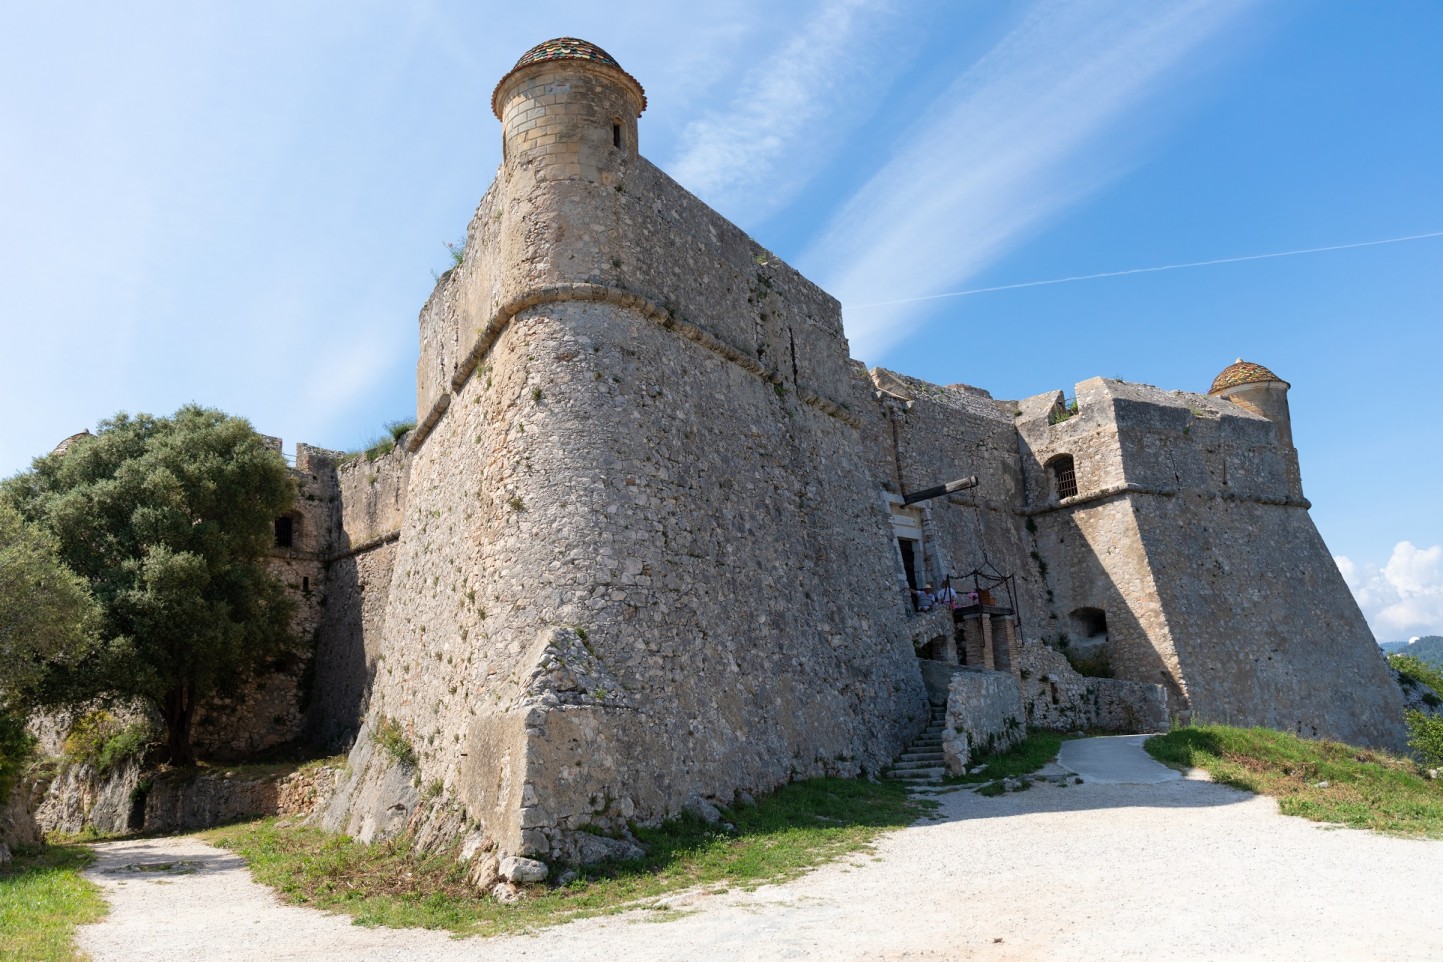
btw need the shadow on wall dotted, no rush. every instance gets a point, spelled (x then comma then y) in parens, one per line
(344, 673)
(1101, 616)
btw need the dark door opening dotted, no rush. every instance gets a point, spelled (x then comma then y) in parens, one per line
(908, 548)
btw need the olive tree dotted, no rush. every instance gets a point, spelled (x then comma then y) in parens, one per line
(167, 520)
(47, 618)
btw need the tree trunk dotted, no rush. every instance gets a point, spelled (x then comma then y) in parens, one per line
(179, 706)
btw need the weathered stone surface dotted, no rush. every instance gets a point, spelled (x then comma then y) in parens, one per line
(79, 798)
(18, 825)
(514, 868)
(131, 799)
(1056, 697)
(984, 715)
(585, 847)
(1417, 696)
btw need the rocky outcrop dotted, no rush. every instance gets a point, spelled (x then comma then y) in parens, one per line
(128, 799)
(80, 798)
(18, 827)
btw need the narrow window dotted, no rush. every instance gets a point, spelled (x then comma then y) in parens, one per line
(306, 585)
(616, 135)
(285, 532)
(1064, 476)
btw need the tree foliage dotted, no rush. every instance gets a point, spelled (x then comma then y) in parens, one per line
(47, 617)
(168, 521)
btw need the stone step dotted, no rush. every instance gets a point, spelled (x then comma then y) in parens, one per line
(920, 757)
(917, 774)
(912, 766)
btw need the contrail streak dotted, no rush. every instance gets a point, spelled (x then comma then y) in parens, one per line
(1146, 270)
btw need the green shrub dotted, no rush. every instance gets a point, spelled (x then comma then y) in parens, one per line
(104, 742)
(16, 748)
(1425, 735)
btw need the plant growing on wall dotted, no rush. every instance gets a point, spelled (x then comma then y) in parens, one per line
(168, 521)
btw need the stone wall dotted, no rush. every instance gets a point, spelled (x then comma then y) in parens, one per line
(660, 431)
(371, 497)
(984, 715)
(129, 799)
(1189, 534)
(1056, 697)
(187, 803)
(939, 434)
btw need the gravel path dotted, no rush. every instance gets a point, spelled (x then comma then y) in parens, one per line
(1180, 869)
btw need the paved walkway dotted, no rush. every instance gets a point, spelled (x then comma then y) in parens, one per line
(1176, 869)
(1115, 760)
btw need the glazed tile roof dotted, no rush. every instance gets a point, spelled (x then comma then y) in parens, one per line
(1242, 372)
(565, 48)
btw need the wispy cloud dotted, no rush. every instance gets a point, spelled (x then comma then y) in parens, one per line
(1403, 598)
(749, 158)
(1002, 151)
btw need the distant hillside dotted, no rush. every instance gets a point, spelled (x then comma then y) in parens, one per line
(1429, 648)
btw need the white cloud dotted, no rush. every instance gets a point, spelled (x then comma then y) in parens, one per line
(750, 158)
(1403, 598)
(1003, 150)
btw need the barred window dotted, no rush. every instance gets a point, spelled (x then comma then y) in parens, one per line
(1064, 476)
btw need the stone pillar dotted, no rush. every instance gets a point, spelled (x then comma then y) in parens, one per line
(974, 642)
(1007, 654)
(989, 653)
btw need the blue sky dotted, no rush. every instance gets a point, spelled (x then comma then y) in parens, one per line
(243, 205)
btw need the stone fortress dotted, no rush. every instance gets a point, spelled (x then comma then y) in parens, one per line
(652, 541)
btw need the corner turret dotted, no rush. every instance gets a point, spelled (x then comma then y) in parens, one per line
(568, 111)
(1255, 388)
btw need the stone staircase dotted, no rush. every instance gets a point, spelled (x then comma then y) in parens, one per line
(921, 762)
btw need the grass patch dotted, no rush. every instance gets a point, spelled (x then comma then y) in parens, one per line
(1034, 751)
(391, 737)
(785, 834)
(42, 900)
(1321, 781)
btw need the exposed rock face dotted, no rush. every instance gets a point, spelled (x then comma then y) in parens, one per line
(129, 799)
(79, 798)
(1417, 696)
(18, 826)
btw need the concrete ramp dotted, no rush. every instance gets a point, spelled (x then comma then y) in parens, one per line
(1114, 760)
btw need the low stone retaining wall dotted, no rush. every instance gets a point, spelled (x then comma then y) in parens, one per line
(129, 800)
(1056, 697)
(984, 715)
